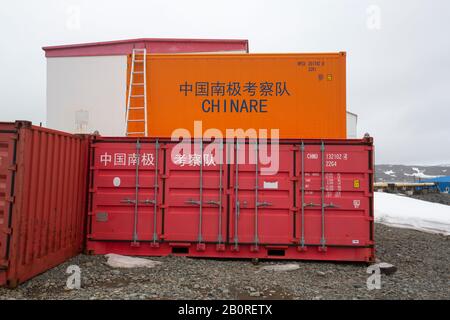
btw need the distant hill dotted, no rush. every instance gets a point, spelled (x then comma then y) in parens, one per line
(406, 173)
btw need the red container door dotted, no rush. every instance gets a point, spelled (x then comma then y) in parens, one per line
(126, 191)
(261, 203)
(340, 215)
(195, 206)
(7, 165)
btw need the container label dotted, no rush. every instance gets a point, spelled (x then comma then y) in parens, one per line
(127, 159)
(270, 185)
(246, 96)
(356, 183)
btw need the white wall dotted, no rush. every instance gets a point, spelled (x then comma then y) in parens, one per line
(352, 122)
(85, 94)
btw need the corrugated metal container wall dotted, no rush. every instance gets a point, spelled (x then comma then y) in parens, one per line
(302, 95)
(42, 199)
(149, 198)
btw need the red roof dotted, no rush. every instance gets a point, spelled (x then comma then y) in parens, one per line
(123, 47)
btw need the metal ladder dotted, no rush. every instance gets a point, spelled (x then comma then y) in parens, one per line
(138, 57)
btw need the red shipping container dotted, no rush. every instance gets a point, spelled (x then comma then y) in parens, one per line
(42, 199)
(147, 200)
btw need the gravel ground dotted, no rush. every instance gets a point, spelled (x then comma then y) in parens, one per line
(442, 198)
(423, 262)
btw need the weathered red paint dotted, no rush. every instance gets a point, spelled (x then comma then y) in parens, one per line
(337, 224)
(42, 199)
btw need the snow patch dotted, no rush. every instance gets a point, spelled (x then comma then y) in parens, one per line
(420, 174)
(390, 173)
(281, 267)
(119, 261)
(403, 212)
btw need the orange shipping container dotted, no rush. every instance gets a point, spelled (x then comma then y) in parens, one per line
(302, 95)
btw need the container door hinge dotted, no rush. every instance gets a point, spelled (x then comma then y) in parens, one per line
(4, 264)
(13, 167)
(11, 199)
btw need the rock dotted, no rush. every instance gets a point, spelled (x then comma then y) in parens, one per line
(387, 268)
(225, 290)
(320, 273)
(255, 294)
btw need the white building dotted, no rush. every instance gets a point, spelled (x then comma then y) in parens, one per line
(352, 125)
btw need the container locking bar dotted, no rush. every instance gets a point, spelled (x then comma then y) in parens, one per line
(302, 237)
(200, 222)
(322, 150)
(155, 211)
(136, 200)
(219, 203)
(236, 195)
(257, 204)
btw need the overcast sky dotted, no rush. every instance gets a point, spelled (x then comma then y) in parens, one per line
(398, 54)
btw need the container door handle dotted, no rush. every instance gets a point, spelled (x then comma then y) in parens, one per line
(148, 201)
(263, 204)
(197, 202)
(192, 201)
(330, 205)
(216, 203)
(311, 204)
(128, 200)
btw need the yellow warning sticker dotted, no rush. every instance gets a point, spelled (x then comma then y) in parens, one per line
(356, 183)
(329, 77)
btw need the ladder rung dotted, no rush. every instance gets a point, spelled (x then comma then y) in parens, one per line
(138, 72)
(137, 120)
(137, 84)
(137, 108)
(137, 95)
(139, 60)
